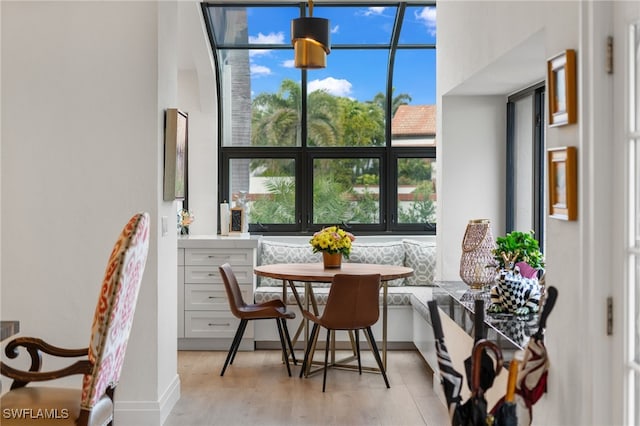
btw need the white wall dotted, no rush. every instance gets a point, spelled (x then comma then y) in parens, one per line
(197, 96)
(471, 176)
(473, 36)
(84, 87)
(203, 156)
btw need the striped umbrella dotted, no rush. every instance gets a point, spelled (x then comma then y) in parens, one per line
(450, 379)
(534, 368)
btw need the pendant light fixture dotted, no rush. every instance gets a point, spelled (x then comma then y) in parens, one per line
(310, 39)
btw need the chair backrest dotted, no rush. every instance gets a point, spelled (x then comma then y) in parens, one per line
(353, 302)
(113, 316)
(236, 302)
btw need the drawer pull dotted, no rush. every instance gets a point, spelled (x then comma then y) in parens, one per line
(211, 274)
(219, 325)
(214, 297)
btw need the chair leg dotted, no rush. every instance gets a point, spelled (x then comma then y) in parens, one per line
(234, 345)
(286, 334)
(239, 340)
(284, 346)
(358, 350)
(376, 354)
(307, 352)
(326, 359)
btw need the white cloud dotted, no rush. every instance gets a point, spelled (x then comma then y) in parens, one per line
(257, 70)
(253, 53)
(332, 86)
(289, 63)
(271, 38)
(428, 18)
(374, 11)
(335, 29)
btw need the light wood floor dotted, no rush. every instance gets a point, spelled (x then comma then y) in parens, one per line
(256, 390)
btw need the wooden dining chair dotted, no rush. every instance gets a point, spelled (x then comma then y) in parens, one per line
(273, 309)
(352, 304)
(102, 361)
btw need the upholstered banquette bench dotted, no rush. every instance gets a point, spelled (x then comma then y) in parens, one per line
(418, 254)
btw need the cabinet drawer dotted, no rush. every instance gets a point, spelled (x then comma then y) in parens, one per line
(213, 324)
(198, 297)
(211, 275)
(217, 257)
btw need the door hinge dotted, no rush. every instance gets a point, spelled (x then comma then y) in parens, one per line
(609, 316)
(610, 55)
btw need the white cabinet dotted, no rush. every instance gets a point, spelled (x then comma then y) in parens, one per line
(205, 320)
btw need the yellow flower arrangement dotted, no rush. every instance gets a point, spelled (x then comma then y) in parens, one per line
(332, 240)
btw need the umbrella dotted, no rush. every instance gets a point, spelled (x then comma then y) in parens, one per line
(505, 413)
(474, 411)
(534, 368)
(487, 371)
(450, 379)
(532, 379)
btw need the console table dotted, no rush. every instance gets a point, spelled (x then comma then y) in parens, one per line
(456, 303)
(511, 333)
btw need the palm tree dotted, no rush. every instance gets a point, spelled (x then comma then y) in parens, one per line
(401, 99)
(276, 116)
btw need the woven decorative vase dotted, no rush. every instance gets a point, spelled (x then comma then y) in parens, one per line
(332, 261)
(477, 245)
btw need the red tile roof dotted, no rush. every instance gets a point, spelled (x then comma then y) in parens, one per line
(414, 120)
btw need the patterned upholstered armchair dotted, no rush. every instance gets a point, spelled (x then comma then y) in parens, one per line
(103, 359)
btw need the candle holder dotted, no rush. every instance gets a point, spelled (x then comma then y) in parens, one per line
(477, 264)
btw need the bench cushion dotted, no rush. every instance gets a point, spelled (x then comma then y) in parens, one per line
(396, 296)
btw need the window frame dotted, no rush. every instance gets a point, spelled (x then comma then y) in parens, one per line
(304, 155)
(537, 92)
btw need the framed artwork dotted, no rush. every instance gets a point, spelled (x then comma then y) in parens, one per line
(563, 183)
(236, 220)
(175, 154)
(561, 80)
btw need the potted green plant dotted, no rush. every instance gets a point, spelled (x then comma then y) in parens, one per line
(517, 247)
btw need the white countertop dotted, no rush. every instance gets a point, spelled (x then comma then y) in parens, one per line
(215, 241)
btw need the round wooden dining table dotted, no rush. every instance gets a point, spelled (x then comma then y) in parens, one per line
(310, 273)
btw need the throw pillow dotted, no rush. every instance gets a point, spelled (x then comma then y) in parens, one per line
(421, 257)
(277, 252)
(391, 253)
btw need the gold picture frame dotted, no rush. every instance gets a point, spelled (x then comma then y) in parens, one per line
(561, 80)
(175, 154)
(563, 183)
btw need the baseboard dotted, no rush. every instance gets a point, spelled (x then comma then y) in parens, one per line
(148, 413)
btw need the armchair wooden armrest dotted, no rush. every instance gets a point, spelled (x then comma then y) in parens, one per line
(35, 347)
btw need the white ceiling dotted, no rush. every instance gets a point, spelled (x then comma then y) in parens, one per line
(521, 67)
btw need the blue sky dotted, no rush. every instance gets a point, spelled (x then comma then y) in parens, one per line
(356, 74)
